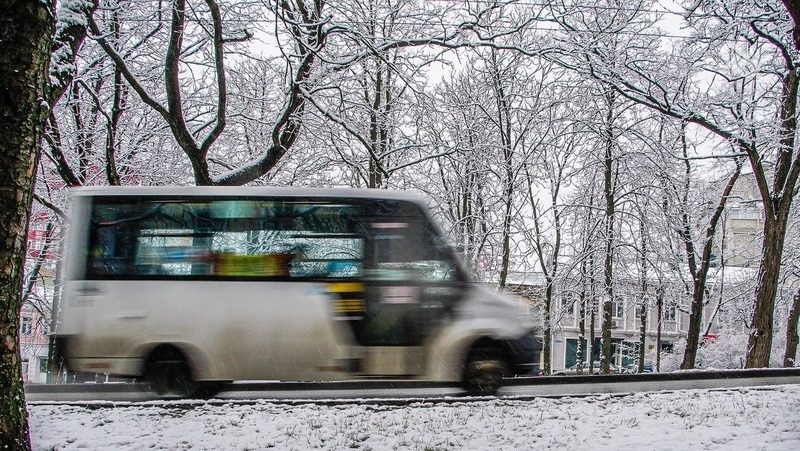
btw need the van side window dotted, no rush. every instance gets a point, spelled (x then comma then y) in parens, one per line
(224, 239)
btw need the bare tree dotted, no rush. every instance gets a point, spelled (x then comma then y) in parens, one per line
(304, 24)
(556, 143)
(310, 45)
(763, 31)
(609, 195)
(460, 182)
(23, 108)
(587, 224)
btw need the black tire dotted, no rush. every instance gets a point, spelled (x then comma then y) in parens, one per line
(207, 390)
(169, 375)
(484, 370)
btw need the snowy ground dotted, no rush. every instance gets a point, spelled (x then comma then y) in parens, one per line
(751, 418)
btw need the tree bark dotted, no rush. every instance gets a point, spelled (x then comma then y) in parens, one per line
(793, 7)
(791, 333)
(776, 216)
(26, 31)
(608, 191)
(659, 315)
(759, 344)
(580, 353)
(643, 301)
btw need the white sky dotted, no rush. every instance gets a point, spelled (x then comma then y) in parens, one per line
(752, 418)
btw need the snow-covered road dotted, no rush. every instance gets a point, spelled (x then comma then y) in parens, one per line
(747, 418)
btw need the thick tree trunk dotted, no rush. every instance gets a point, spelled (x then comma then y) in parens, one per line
(791, 333)
(759, 344)
(695, 320)
(642, 333)
(506, 239)
(777, 205)
(25, 40)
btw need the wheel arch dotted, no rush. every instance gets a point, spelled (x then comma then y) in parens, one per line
(450, 351)
(193, 356)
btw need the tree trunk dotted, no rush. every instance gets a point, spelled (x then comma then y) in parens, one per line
(25, 41)
(592, 313)
(699, 270)
(759, 344)
(695, 321)
(643, 301)
(548, 329)
(608, 191)
(376, 124)
(580, 353)
(506, 141)
(777, 206)
(659, 314)
(791, 333)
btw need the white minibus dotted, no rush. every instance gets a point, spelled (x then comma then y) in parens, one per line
(190, 287)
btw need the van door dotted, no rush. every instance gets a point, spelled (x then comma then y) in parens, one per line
(411, 285)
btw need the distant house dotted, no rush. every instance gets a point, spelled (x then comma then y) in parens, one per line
(625, 322)
(743, 223)
(34, 343)
(38, 291)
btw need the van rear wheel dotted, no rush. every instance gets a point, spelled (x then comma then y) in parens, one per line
(170, 376)
(484, 370)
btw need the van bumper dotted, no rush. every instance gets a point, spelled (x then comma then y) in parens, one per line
(524, 354)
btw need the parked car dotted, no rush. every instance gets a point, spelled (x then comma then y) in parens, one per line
(574, 370)
(634, 368)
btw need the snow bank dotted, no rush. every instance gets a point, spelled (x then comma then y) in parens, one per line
(753, 418)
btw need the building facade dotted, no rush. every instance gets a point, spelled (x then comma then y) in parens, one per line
(34, 344)
(625, 326)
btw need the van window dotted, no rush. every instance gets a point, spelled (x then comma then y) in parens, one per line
(407, 251)
(404, 246)
(224, 239)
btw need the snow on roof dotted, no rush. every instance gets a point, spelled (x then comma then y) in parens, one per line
(533, 279)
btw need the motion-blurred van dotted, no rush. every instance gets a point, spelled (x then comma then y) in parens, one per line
(191, 287)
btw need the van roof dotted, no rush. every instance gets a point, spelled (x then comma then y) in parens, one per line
(246, 191)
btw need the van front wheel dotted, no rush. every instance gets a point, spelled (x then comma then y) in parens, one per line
(484, 370)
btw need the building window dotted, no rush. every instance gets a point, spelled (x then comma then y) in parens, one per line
(639, 310)
(25, 326)
(567, 305)
(617, 308)
(44, 365)
(670, 313)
